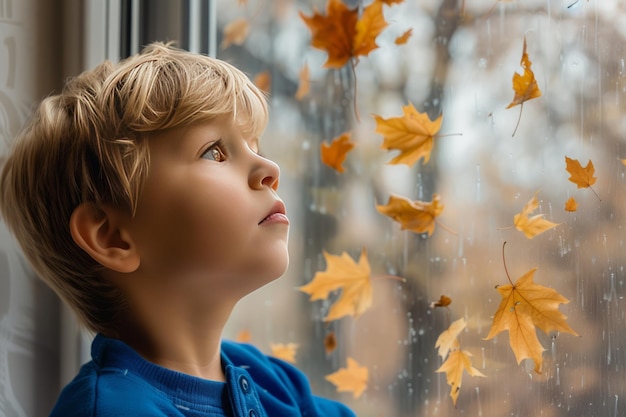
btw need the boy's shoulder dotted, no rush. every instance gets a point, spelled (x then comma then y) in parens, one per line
(105, 393)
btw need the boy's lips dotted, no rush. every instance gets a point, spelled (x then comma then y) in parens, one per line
(276, 215)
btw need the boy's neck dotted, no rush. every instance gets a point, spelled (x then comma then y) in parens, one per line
(190, 346)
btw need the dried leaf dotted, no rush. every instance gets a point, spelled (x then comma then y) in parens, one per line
(334, 154)
(416, 216)
(458, 361)
(444, 301)
(392, 2)
(235, 32)
(330, 343)
(244, 336)
(342, 34)
(352, 379)
(353, 279)
(304, 85)
(263, 80)
(368, 27)
(412, 134)
(532, 226)
(571, 204)
(582, 177)
(524, 85)
(447, 340)
(524, 306)
(286, 352)
(404, 38)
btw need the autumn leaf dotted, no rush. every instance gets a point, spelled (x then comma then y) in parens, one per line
(623, 161)
(412, 134)
(571, 204)
(244, 336)
(330, 343)
(581, 176)
(535, 225)
(334, 154)
(235, 32)
(416, 216)
(392, 2)
(404, 38)
(444, 301)
(286, 352)
(525, 306)
(447, 340)
(524, 85)
(457, 362)
(304, 85)
(353, 279)
(263, 81)
(352, 379)
(342, 34)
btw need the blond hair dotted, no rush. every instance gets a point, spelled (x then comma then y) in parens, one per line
(90, 144)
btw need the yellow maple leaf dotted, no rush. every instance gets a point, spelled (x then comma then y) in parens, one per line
(244, 336)
(524, 85)
(334, 154)
(579, 175)
(353, 279)
(304, 85)
(412, 134)
(447, 340)
(457, 362)
(284, 351)
(416, 216)
(535, 225)
(525, 306)
(352, 379)
(235, 32)
(571, 204)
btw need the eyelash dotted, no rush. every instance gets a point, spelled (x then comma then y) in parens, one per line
(219, 147)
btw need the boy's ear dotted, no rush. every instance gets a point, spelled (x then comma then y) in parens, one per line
(100, 232)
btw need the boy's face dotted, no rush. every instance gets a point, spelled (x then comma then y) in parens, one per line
(209, 221)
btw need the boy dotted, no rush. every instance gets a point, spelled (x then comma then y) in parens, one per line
(139, 195)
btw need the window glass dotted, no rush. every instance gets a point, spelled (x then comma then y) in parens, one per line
(487, 162)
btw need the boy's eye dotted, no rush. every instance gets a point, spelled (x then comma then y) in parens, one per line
(215, 153)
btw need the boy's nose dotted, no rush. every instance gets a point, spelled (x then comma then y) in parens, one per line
(265, 174)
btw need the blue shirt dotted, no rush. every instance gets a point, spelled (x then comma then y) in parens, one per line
(119, 382)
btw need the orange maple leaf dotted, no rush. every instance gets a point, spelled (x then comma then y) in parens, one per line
(304, 85)
(571, 204)
(524, 85)
(235, 32)
(392, 2)
(244, 336)
(353, 279)
(525, 306)
(581, 176)
(284, 351)
(352, 379)
(342, 34)
(416, 216)
(334, 154)
(458, 361)
(412, 134)
(535, 225)
(404, 38)
(263, 80)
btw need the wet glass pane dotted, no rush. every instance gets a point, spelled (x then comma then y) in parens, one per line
(486, 164)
